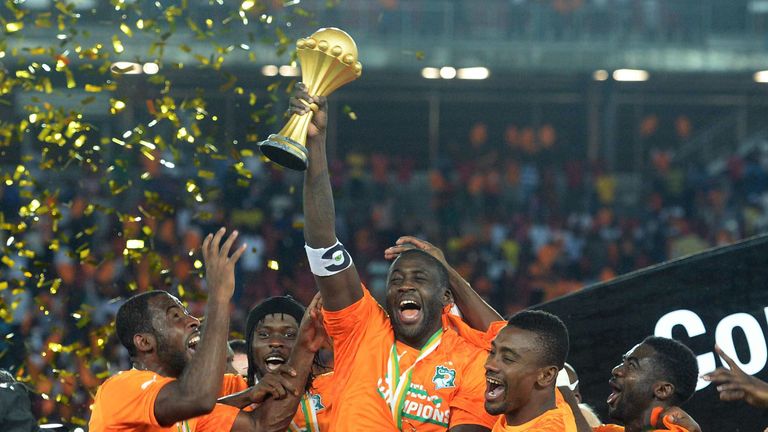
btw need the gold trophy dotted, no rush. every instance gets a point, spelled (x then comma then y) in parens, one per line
(328, 60)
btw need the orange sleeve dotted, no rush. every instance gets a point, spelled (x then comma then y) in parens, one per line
(349, 326)
(130, 399)
(476, 337)
(232, 384)
(567, 412)
(219, 420)
(468, 405)
(608, 428)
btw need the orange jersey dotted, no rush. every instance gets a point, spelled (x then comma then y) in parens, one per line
(232, 384)
(126, 402)
(559, 419)
(476, 337)
(314, 412)
(446, 388)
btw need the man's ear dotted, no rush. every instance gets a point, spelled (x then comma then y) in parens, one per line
(663, 390)
(144, 342)
(447, 296)
(547, 376)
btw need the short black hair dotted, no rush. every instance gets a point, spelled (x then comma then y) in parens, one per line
(677, 364)
(133, 318)
(550, 330)
(238, 346)
(443, 278)
(272, 305)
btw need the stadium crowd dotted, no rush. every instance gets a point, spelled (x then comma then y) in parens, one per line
(519, 224)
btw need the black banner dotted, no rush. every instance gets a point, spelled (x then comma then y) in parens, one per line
(720, 295)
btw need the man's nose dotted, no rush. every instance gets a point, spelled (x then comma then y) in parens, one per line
(617, 370)
(490, 364)
(193, 322)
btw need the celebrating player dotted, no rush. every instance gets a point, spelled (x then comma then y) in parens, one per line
(177, 372)
(396, 370)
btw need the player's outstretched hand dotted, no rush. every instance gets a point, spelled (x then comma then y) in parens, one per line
(735, 384)
(219, 266)
(312, 333)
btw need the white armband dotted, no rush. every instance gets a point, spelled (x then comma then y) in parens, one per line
(328, 261)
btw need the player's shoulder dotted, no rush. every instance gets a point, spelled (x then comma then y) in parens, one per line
(324, 379)
(132, 378)
(608, 428)
(234, 379)
(460, 345)
(551, 421)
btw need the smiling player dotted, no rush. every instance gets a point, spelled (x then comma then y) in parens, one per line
(178, 371)
(396, 370)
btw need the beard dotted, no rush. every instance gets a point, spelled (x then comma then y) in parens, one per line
(173, 360)
(629, 408)
(419, 333)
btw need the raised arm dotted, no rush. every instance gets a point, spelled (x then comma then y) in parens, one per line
(475, 311)
(278, 393)
(342, 288)
(196, 390)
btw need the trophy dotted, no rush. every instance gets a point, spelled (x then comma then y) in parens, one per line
(328, 60)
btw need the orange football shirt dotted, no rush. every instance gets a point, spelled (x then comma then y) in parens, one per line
(126, 402)
(314, 412)
(559, 419)
(476, 337)
(232, 384)
(447, 387)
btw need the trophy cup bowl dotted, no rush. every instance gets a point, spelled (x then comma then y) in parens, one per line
(328, 60)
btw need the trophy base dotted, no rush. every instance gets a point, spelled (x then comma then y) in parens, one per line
(285, 151)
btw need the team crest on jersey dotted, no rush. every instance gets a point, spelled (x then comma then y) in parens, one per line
(317, 402)
(444, 377)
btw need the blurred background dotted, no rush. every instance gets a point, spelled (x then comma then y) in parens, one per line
(544, 145)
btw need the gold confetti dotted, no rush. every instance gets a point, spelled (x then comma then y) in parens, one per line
(134, 244)
(209, 175)
(13, 27)
(165, 130)
(116, 105)
(7, 261)
(125, 29)
(117, 45)
(348, 111)
(70, 79)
